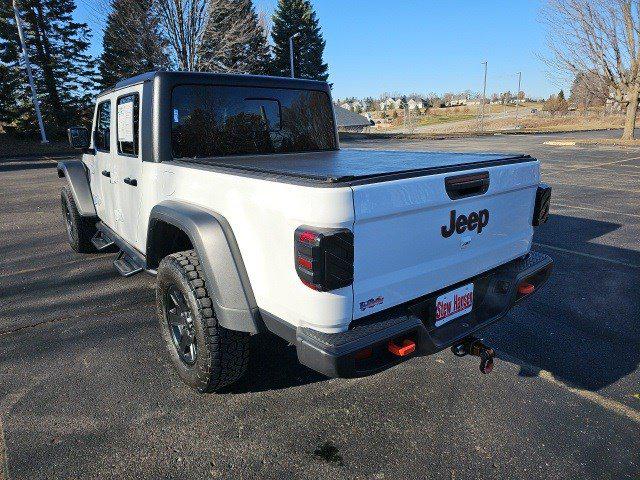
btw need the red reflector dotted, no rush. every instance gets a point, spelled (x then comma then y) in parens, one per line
(311, 285)
(526, 288)
(364, 353)
(308, 237)
(303, 262)
(408, 346)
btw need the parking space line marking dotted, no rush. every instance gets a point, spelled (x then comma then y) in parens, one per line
(625, 174)
(555, 182)
(594, 209)
(606, 403)
(605, 163)
(588, 255)
(4, 465)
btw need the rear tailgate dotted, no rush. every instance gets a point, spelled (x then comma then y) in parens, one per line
(405, 246)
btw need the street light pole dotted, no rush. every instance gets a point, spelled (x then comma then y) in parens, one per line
(484, 97)
(291, 52)
(27, 65)
(518, 96)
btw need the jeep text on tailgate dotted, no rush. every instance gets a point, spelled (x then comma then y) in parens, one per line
(234, 192)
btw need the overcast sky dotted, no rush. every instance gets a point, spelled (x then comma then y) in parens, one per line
(376, 46)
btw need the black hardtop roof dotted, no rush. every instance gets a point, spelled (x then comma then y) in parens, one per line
(220, 78)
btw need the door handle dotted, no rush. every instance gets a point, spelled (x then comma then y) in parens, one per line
(106, 173)
(467, 185)
(131, 181)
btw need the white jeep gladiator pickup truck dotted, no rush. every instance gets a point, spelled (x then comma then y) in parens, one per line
(233, 190)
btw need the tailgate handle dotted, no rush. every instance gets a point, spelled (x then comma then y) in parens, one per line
(467, 185)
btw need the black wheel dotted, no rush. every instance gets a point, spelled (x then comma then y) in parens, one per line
(208, 357)
(80, 229)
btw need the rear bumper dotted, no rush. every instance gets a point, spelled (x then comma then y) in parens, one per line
(495, 292)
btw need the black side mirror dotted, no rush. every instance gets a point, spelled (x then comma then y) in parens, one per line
(78, 137)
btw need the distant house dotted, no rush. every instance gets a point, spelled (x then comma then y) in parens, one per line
(414, 103)
(354, 106)
(457, 100)
(358, 106)
(391, 103)
(349, 121)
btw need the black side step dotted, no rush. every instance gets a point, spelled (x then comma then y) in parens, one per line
(126, 265)
(101, 241)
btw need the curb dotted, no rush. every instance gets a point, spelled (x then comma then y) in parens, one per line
(447, 136)
(560, 143)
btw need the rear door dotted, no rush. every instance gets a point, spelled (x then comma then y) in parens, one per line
(102, 186)
(127, 162)
(413, 237)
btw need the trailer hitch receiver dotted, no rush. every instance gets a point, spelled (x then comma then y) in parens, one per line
(474, 346)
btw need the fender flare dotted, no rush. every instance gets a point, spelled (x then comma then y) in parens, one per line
(227, 279)
(76, 174)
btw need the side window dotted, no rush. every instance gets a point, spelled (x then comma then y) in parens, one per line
(128, 124)
(103, 127)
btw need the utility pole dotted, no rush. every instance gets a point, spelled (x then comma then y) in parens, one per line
(27, 65)
(484, 97)
(291, 52)
(518, 97)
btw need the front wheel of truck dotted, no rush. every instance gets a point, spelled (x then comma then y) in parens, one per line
(208, 357)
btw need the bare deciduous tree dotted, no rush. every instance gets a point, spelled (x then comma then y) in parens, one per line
(184, 22)
(600, 36)
(588, 89)
(234, 40)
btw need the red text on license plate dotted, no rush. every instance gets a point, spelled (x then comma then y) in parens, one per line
(453, 304)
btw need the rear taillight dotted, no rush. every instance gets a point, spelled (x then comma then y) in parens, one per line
(543, 202)
(324, 257)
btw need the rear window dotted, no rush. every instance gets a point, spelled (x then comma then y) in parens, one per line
(211, 121)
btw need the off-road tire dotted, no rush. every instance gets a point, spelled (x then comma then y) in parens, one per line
(79, 229)
(222, 354)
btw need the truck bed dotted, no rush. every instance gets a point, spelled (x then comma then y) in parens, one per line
(355, 166)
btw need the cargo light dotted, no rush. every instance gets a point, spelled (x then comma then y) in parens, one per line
(324, 257)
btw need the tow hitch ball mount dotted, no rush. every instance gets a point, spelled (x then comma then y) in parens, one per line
(474, 346)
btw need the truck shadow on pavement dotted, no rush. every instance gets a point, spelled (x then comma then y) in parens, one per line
(583, 325)
(273, 365)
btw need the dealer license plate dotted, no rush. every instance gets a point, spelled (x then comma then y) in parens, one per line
(453, 304)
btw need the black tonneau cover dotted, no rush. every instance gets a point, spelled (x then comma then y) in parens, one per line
(354, 166)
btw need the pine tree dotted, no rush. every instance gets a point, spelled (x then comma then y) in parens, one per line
(297, 17)
(62, 68)
(234, 41)
(10, 73)
(132, 42)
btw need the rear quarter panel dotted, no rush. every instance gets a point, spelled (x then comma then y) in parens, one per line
(264, 215)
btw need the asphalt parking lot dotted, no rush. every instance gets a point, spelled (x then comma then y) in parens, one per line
(87, 391)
